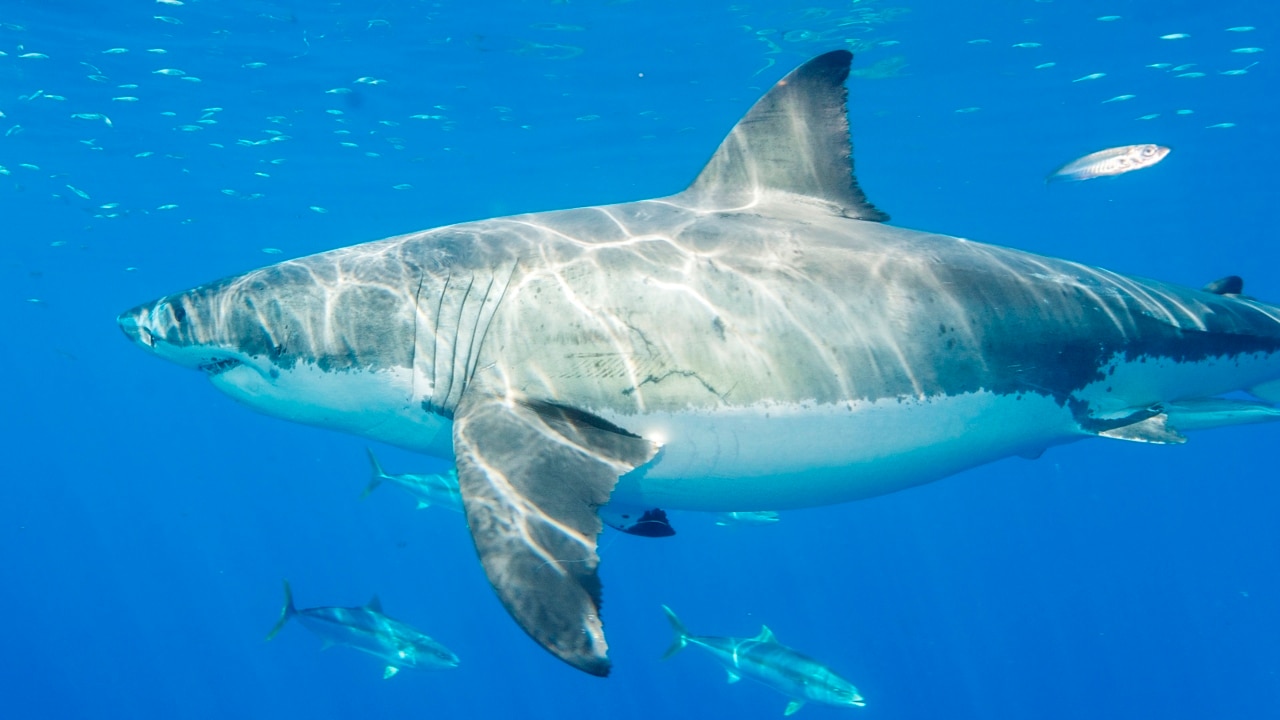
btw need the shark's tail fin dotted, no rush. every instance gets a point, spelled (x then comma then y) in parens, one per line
(378, 475)
(287, 612)
(682, 635)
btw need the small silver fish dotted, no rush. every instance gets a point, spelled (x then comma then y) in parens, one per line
(758, 517)
(1112, 161)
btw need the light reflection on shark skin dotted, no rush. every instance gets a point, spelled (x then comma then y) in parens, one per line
(758, 341)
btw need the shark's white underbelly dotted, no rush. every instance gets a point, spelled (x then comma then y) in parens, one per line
(774, 455)
(795, 455)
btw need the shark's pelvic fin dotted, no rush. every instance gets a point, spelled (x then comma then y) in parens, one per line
(793, 707)
(1154, 429)
(531, 476)
(286, 612)
(1229, 285)
(733, 676)
(390, 672)
(795, 139)
(645, 523)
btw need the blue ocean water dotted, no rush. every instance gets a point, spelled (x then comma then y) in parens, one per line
(146, 521)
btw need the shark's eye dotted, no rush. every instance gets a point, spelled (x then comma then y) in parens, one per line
(179, 313)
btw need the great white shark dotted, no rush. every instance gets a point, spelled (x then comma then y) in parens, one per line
(760, 340)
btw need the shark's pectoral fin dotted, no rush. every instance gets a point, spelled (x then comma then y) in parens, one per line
(532, 475)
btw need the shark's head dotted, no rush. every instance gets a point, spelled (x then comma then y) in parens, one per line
(310, 340)
(191, 329)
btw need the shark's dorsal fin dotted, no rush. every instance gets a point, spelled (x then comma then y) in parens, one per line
(766, 635)
(795, 140)
(374, 604)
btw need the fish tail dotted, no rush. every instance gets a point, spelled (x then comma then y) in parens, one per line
(287, 612)
(378, 475)
(682, 635)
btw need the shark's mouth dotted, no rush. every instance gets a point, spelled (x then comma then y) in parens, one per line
(217, 367)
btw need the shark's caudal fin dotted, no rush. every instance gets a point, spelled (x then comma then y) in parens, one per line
(794, 140)
(378, 475)
(682, 634)
(285, 613)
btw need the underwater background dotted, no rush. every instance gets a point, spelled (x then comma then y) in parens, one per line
(146, 521)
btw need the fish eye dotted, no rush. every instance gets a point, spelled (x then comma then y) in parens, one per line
(1148, 151)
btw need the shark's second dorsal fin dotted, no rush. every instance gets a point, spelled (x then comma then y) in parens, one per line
(374, 604)
(795, 139)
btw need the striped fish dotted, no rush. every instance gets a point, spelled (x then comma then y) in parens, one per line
(1112, 161)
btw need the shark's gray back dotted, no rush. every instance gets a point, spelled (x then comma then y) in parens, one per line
(658, 305)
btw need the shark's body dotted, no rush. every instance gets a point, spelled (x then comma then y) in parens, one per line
(765, 660)
(368, 630)
(757, 341)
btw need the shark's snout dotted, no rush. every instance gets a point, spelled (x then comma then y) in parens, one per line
(133, 329)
